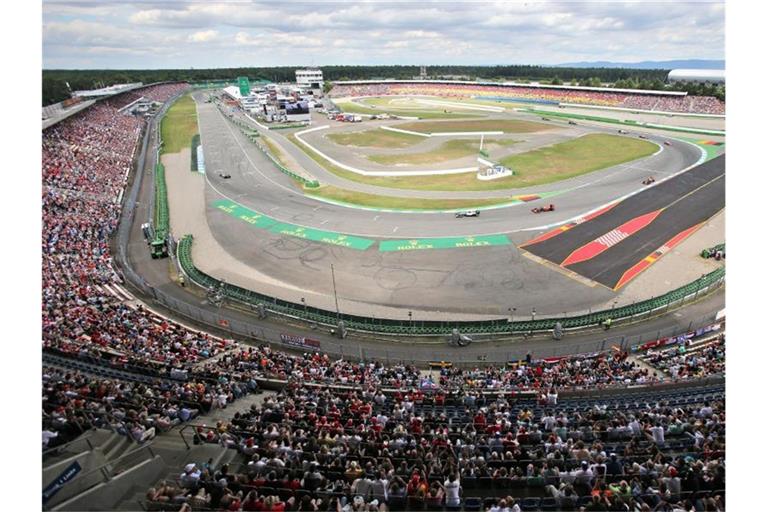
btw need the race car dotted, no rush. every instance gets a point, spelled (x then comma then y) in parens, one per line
(224, 175)
(541, 209)
(623, 132)
(468, 213)
(572, 122)
(643, 136)
(649, 180)
(667, 143)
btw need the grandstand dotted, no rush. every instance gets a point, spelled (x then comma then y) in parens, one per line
(657, 101)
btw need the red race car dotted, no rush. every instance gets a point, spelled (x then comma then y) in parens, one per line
(540, 209)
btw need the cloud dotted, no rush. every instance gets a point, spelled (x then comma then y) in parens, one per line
(88, 33)
(231, 33)
(204, 36)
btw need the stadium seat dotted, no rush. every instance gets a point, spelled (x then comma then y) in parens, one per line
(530, 504)
(473, 503)
(549, 503)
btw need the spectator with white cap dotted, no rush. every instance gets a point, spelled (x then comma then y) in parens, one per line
(190, 477)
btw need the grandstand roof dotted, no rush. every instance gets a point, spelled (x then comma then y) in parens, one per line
(233, 91)
(53, 114)
(697, 75)
(516, 84)
(107, 91)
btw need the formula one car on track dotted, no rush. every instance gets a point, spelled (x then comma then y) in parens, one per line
(468, 213)
(649, 180)
(540, 209)
(224, 176)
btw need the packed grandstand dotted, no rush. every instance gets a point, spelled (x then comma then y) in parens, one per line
(652, 101)
(345, 435)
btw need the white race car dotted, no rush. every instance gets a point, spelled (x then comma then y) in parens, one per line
(468, 213)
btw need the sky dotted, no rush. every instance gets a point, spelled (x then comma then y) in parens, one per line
(208, 34)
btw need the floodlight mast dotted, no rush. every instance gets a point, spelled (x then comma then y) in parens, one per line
(335, 295)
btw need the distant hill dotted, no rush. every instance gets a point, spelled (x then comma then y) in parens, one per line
(650, 64)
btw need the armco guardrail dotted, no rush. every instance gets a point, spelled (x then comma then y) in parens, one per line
(674, 298)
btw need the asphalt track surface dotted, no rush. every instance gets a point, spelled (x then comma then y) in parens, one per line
(255, 183)
(681, 202)
(472, 281)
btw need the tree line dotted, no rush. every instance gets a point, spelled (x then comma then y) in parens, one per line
(55, 81)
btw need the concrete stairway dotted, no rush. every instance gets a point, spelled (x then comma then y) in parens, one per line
(135, 497)
(119, 471)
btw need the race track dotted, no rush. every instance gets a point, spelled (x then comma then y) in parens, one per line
(484, 281)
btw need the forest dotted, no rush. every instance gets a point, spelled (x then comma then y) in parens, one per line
(57, 83)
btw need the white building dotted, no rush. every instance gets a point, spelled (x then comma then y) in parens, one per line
(252, 102)
(309, 78)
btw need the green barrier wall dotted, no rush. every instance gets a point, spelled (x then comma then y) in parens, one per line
(435, 328)
(162, 216)
(193, 159)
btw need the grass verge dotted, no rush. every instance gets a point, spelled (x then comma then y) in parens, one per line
(504, 125)
(595, 154)
(399, 203)
(275, 150)
(375, 139)
(179, 125)
(355, 108)
(575, 157)
(448, 150)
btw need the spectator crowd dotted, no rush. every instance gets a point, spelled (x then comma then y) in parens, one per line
(318, 448)
(607, 97)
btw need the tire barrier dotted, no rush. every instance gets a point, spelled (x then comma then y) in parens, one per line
(712, 252)
(254, 300)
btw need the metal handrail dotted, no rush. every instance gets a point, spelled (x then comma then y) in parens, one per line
(204, 427)
(677, 297)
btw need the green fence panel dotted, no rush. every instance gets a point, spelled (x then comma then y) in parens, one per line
(432, 328)
(161, 213)
(193, 159)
